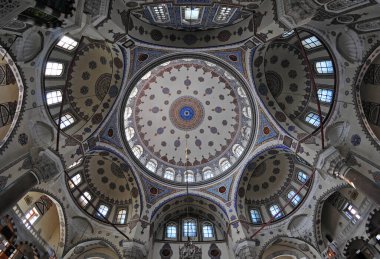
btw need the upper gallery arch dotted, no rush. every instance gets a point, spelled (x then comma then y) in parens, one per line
(202, 124)
(11, 96)
(283, 71)
(82, 78)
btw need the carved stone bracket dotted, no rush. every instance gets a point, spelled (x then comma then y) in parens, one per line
(331, 162)
(245, 249)
(134, 250)
(46, 166)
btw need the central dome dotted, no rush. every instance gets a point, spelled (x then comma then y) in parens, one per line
(188, 110)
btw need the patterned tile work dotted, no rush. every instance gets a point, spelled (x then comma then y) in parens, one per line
(154, 191)
(142, 56)
(221, 190)
(266, 130)
(234, 57)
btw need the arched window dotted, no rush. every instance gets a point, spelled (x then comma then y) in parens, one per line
(169, 174)
(207, 174)
(171, 230)
(324, 67)
(67, 43)
(30, 217)
(247, 112)
(144, 77)
(53, 97)
(151, 165)
(189, 177)
(103, 210)
(121, 216)
(311, 42)
(128, 112)
(276, 212)
(224, 164)
(66, 120)
(313, 119)
(325, 95)
(133, 92)
(54, 69)
(84, 199)
(294, 198)
(287, 34)
(129, 133)
(189, 227)
(137, 151)
(75, 180)
(75, 163)
(246, 132)
(241, 92)
(255, 216)
(160, 13)
(207, 230)
(224, 14)
(302, 177)
(237, 150)
(191, 14)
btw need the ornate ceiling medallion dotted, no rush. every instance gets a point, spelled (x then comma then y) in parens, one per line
(188, 101)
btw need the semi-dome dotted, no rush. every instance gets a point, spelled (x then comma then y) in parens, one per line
(193, 106)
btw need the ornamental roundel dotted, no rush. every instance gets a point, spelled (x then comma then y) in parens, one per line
(190, 106)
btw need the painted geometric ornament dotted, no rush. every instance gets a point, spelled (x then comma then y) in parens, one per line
(188, 107)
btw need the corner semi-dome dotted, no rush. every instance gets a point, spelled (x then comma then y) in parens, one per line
(188, 120)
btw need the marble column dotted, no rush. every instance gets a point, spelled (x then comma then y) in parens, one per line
(362, 183)
(45, 166)
(16, 190)
(333, 163)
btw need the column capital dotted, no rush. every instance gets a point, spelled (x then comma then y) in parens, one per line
(295, 13)
(245, 249)
(47, 166)
(134, 250)
(331, 162)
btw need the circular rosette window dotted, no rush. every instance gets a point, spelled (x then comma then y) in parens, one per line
(188, 120)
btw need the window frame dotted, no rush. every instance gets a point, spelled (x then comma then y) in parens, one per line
(70, 44)
(260, 218)
(237, 147)
(59, 121)
(191, 21)
(296, 200)
(118, 217)
(139, 148)
(311, 44)
(59, 62)
(315, 117)
(83, 200)
(209, 172)
(158, 15)
(287, 34)
(330, 70)
(31, 217)
(223, 164)
(72, 183)
(186, 229)
(129, 133)
(280, 213)
(169, 225)
(186, 176)
(324, 97)
(299, 177)
(219, 11)
(151, 165)
(59, 98)
(100, 211)
(211, 230)
(169, 171)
